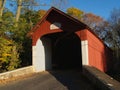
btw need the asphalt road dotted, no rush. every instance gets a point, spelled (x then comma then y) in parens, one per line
(53, 80)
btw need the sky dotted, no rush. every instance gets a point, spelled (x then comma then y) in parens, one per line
(101, 8)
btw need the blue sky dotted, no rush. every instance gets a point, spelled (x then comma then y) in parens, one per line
(101, 8)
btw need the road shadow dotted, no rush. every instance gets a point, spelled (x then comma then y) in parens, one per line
(73, 79)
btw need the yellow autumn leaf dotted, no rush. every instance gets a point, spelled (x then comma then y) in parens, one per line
(6, 55)
(1, 59)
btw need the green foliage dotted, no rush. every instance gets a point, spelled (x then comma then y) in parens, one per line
(15, 47)
(7, 23)
(26, 22)
(8, 55)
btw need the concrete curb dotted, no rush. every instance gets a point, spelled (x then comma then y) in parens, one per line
(100, 79)
(17, 72)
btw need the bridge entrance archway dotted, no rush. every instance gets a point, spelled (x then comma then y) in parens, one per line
(62, 51)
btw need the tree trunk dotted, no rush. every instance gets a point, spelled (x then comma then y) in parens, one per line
(19, 3)
(2, 4)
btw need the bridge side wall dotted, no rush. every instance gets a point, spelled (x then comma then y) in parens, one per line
(98, 54)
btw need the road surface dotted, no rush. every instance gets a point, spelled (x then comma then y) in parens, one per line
(52, 80)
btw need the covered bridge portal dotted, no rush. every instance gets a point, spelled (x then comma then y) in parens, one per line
(60, 41)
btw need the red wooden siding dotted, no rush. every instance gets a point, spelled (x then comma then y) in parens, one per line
(97, 52)
(43, 29)
(100, 56)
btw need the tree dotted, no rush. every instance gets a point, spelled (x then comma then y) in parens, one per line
(113, 31)
(19, 6)
(2, 4)
(26, 22)
(22, 5)
(114, 26)
(113, 36)
(96, 23)
(7, 24)
(75, 12)
(8, 55)
(41, 13)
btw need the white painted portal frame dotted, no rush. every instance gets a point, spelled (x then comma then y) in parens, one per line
(85, 56)
(42, 54)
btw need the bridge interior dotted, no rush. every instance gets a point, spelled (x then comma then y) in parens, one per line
(65, 50)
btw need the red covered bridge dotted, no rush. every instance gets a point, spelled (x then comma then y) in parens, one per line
(61, 41)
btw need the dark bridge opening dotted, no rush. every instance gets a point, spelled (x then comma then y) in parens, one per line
(66, 51)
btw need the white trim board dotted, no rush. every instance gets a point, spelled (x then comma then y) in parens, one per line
(84, 47)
